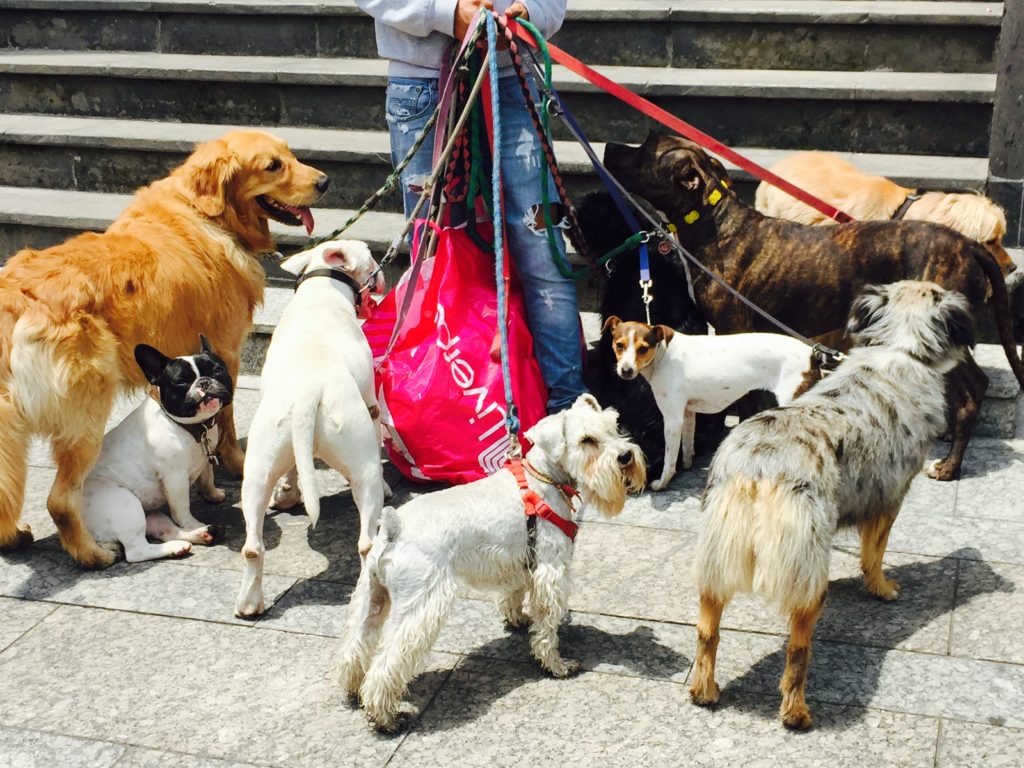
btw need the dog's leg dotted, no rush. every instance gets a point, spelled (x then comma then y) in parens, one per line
(510, 606)
(160, 527)
(176, 490)
(74, 460)
(286, 492)
(794, 712)
(689, 430)
(674, 416)
(874, 536)
(967, 386)
(232, 458)
(704, 690)
(549, 602)
(409, 633)
(374, 410)
(357, 458)
(13, 469)
(208, 487)
(367, 612)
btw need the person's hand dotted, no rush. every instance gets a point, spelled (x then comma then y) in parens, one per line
(465, 10)
(518, 11)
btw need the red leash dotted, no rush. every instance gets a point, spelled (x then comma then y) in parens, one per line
(682, 127)
(536, 506)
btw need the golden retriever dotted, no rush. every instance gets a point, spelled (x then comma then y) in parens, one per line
(875, 198)
(180, 260)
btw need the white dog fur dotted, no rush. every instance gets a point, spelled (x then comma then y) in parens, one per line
(476, 534)
(705, 374)
(316, 401)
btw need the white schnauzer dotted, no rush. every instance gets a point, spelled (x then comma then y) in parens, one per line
(484, 534)
(844, 454)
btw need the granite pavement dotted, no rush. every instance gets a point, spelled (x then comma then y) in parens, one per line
(145, 664)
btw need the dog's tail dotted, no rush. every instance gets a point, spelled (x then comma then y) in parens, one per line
(390, 525)
(303, 437)
(1001, 307)
(766, 537)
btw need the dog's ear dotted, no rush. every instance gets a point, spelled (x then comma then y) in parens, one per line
(208, 172)
(867, 308)
(205, 345)
(660, 333)
(549, 434)
(152, 361)
(337, 258)
(296, 263)
(587, 399)
(610, 324)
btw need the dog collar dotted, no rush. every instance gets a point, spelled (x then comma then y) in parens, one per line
(713, 199)
(364, 304)
(535, 505)
(905, 206)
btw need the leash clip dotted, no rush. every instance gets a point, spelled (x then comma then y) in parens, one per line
(647, 297)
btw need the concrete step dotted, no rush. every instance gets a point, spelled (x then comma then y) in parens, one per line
(845, 111)
(110, 155)
(754, 34)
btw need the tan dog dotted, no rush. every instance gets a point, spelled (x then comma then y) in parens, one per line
(180, 260)
(874, 198)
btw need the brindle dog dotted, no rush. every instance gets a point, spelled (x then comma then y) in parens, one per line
(808, 276)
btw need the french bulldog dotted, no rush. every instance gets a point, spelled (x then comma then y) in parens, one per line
(151, 459)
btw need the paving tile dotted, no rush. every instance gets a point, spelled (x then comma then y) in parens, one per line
(925, 532)
(152, 758)
(971, 744)
(989, 476)
(19, 616)
(35, 749)
(504, 714)
(261, 697)
(159, 587)
(988, 622)
(898, 681)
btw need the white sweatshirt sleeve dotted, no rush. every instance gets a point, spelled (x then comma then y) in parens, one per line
(415, 17)
(546, 15)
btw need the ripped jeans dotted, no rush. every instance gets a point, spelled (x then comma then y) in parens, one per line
(552, 306)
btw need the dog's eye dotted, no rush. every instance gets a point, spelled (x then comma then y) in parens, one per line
(620, 346)
(274, 165)
(641, 348)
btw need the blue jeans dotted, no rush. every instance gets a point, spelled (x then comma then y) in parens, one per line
(552, 306)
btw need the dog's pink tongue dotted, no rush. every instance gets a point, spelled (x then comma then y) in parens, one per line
(307, 219)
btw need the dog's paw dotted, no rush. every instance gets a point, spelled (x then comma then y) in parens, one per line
(938, 469)
(286, 495)
(215, 496)
(103, 555)
(21, 538)
(517, 623)
(563, 668)
(211, 534)
(661, 484)
(388, 493)
(182, 549)
(886, 589)
(798, 718)
(249, 607)
(705, 697)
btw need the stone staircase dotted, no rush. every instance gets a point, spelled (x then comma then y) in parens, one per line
(98, 97)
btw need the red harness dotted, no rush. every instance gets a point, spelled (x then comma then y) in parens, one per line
(536, 506)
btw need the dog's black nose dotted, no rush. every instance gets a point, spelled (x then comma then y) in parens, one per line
(323, 183)
(625, 459)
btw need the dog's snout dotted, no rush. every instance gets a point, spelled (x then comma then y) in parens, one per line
(626, 371)
(625, 459)
(323, 183)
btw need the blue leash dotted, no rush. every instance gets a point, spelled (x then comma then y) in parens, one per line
(511, 418)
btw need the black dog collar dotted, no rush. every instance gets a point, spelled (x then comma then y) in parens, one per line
(905, 206)
(334, 274)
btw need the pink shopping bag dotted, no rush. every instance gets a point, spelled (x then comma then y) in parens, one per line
(440, 388)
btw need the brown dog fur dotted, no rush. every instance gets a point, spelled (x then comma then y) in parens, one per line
(180, 260)
(876, 198)
(807, 276)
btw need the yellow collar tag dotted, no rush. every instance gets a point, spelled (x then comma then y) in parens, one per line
(714, 197)
(691, 217)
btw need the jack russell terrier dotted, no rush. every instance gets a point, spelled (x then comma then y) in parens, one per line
(152, 458)
(706, 374)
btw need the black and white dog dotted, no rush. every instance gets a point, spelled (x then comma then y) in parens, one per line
(152, 458)
(604, 229)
